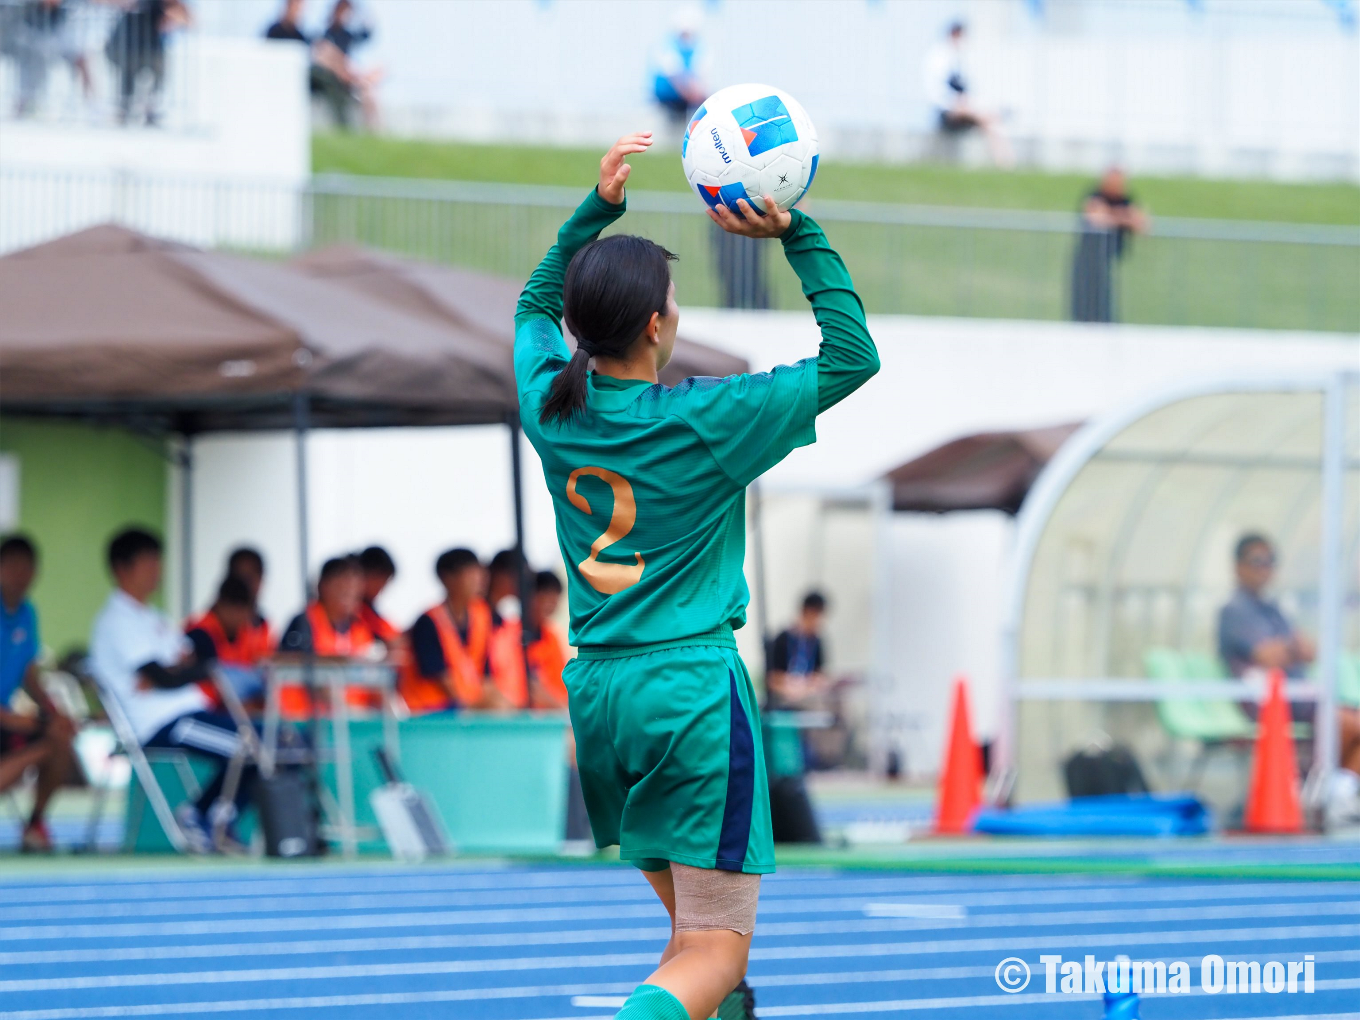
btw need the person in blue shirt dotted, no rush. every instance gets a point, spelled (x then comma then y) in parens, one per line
(44, 740)
(677, 65)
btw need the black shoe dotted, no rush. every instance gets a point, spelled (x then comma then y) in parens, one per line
(740, 1003)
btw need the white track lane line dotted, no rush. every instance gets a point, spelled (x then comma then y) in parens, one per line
(413, 998)
(426, 919)
(329, 883)
(786, 883)
(242, 897)
(242, 901)
(505, 966)
(607, 936)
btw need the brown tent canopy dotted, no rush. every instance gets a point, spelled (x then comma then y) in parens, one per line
(108, 323)
(472, 300)
(987, 471)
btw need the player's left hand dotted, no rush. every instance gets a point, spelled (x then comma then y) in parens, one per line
(614, 171)
(750, 223)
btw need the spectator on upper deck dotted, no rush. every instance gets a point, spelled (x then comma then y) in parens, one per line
(333, 56)
(137, 45)
(948, 92)
(36, 34)
(288, 25)
(677, 68)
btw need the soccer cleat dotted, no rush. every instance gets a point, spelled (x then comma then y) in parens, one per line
(739, 1004)
(196, 835)
(1342, 813)
(36, 839)
(1121, 1006)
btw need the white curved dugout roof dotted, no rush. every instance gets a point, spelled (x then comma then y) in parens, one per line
(1125, 542)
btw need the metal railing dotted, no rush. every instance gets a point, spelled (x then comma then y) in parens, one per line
(904, 259)
(98, 64)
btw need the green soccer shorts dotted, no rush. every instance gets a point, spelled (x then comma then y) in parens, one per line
(666, 743)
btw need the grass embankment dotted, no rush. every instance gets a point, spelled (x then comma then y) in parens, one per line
(897, 268)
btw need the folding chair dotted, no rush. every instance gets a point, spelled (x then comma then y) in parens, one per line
(141, 760)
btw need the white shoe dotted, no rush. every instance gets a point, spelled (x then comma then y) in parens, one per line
(1342, 814)
(196, 835)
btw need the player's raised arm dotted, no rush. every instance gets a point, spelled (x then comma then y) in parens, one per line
(542, 295)
(847, 358)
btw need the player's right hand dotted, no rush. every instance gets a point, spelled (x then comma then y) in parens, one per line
(614, 171)
(748, 222)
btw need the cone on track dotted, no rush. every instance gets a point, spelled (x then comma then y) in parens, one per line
(1273, 797)
(960, 789)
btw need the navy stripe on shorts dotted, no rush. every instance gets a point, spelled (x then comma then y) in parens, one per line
(741, 782)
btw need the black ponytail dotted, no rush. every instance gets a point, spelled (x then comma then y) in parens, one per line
(613, 286)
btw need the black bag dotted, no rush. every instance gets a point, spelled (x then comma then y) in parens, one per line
(287, 816)
(791, 815)
(1097, 771)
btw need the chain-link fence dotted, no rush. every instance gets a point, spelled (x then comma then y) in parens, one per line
(904, 259)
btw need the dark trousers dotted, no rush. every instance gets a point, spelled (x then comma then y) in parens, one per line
(209, 735)
(1093, 276)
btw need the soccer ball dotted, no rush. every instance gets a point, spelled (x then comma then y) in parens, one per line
(747, 141)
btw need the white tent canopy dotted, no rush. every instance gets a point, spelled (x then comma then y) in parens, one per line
(1125, 542)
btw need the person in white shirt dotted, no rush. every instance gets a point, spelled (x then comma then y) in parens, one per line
(946, 88)
(144, 661)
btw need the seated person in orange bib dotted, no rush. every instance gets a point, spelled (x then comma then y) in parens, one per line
(247, 564)
(332, 628)
(548, 649)
(228, 637)
(456, 661)
(379, 570)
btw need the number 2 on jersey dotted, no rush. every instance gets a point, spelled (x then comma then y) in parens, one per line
(608, 578)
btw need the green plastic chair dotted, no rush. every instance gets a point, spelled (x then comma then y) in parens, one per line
(1214, 725)
(1348, 681)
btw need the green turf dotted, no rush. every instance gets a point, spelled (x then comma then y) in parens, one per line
(925, 184)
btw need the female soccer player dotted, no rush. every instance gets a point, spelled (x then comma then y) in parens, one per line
(648, 484)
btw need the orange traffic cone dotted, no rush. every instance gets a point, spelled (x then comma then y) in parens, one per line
(960, 790)
(1273, 797)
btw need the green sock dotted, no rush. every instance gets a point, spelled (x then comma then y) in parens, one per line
(652, 1002)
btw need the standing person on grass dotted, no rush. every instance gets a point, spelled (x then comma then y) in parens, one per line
(649, 486)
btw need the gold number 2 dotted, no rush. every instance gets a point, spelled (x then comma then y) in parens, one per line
(609, 578)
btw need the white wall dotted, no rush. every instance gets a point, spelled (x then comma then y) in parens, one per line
(250, 126)
(422, 491)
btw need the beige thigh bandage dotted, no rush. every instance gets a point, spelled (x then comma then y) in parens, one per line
(710, 900)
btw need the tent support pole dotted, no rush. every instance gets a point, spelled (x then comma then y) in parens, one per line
(525, 591)
(301, 424)
(758, 563)
(186, 527)
(1325, 736)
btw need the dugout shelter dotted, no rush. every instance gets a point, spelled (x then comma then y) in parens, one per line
(1124, 545)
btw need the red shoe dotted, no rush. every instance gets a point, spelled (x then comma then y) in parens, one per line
(36, 839)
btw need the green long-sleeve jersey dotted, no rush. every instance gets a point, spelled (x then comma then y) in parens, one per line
(649, 484)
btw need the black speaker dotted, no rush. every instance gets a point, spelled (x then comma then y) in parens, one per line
(791, 814)
(287, 817)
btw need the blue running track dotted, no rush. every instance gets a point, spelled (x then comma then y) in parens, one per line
(486, 942)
